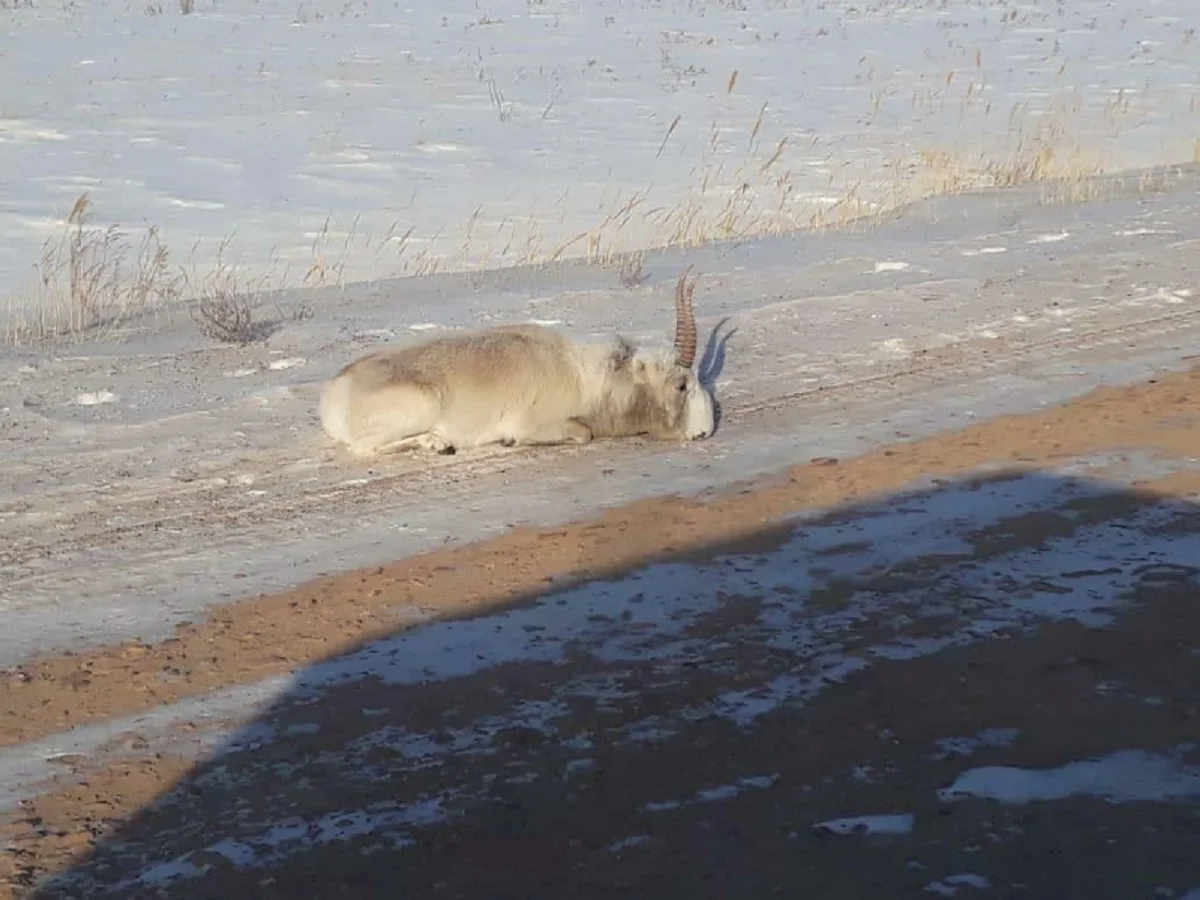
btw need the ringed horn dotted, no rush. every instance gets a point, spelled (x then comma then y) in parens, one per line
(685, 319)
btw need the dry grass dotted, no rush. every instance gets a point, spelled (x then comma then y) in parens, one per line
(92, 280)
(759, 194)
(88, 280)
(90, 277)
(325, 266)
(756, 195)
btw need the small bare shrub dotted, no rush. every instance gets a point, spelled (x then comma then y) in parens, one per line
(222, 308)
(224, 316)
(632, 270)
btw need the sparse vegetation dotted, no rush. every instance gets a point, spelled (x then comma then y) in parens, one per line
(223, 314)
(743, 174)
(496, 96)
(223, 306)
(632, 270)
(86, 279)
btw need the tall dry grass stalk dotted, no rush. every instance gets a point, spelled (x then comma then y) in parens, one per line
(87, 280)
(90, 277)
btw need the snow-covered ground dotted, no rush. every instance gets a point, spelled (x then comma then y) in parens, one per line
(343, 140)
(149, 473)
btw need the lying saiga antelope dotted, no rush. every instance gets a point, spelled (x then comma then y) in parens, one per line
(519, 384)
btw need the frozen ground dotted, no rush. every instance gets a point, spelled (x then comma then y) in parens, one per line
(355, 140)
(981, 684)
(148, 475)
(658, 615)
(968, 687)
(936, 677)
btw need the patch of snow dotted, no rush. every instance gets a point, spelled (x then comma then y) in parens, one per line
(744, 707)
(883, 823)
(1121, 777)
(636, 840)
(171, 871)
(948, 886)
(286, 838)
(965, 746)
(714, 794)
(580, 766)
(1135, 232)
(289, 362)
(95, 398)
(424, 749)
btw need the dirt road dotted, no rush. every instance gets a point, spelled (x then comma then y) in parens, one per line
(967, 665)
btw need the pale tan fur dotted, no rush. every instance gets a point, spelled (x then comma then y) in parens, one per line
(513, 385)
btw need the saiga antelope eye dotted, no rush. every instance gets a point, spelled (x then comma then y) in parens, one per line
(682, 386)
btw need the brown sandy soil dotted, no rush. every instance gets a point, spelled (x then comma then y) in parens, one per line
(559, 807)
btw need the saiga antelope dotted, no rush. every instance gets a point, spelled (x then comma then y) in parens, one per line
(520, 385)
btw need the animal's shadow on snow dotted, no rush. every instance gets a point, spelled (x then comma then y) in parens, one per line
(689, 725)
(712, 363)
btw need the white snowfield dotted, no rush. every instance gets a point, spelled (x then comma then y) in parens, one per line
(370, 140)
(149, 475)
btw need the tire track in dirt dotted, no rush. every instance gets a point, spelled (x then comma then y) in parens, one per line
(973, 360)
(111, 519)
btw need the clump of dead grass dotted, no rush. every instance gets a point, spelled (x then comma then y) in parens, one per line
(88, 279)
(631, 271)
(92, 278)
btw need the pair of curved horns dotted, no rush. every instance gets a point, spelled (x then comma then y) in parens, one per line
(685, 319)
